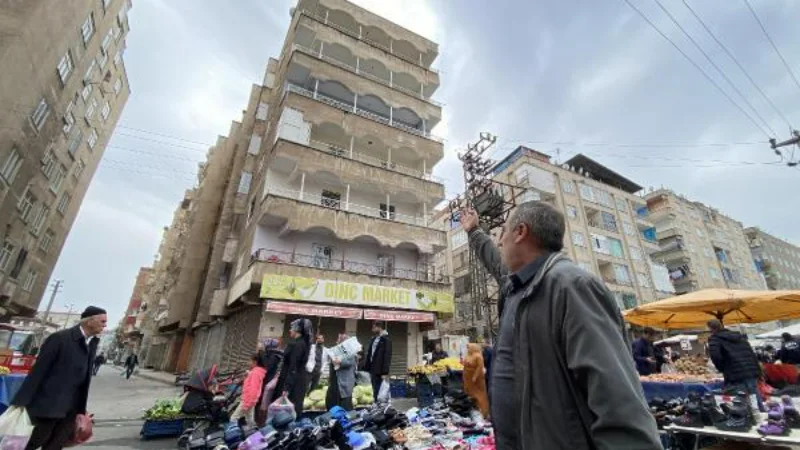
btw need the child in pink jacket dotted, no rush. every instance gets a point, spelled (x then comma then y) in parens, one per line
(251, 393)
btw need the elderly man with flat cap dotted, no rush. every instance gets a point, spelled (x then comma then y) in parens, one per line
(57, 388)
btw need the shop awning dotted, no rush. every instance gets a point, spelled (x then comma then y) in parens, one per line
(305, 309)
(693, 310)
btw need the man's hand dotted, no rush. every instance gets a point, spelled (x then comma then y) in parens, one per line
(469, 219)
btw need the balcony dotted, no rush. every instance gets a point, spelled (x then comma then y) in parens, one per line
(381, 75)
(615, 274)
(420, 129)
(423, 272)
(374, 36)
(357, 169)
(292, 212)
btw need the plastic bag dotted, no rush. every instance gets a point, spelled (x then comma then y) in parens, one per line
(363, 379)
(280, 405)
(83, 430)
(385, 392)
(15, 429)
(255, 441)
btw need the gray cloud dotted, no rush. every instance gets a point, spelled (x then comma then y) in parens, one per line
(581, 72)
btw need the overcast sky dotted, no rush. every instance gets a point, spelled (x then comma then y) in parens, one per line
(547, 74)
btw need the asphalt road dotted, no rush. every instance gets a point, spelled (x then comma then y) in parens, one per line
(118, 405)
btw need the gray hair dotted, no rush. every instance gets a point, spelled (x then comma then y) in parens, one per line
(543, 221)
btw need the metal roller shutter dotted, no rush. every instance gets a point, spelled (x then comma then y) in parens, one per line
(199, 345)
(398, 334)
(241, 338)
(216, 339)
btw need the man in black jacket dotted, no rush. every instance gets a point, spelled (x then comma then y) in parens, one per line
(733, 356)
(57, 388)
(790, 350)
(562, 376)
(378, 357)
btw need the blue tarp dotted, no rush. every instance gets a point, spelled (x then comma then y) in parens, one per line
(667, 391)
(9, 385)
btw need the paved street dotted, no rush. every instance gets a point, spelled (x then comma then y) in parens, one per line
(118, 404)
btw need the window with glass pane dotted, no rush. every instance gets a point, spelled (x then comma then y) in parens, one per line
(567, 186)
(79, 168)
(87, 29)
(587, 193)
(636, 253)
(609, 221)
(30, 280)
(92, 138)
(572, 212)
(40, 114)
(321, 256)
(628, 228)
(615, 245)
(16, 270)
(65, 67)
(386, 265)
(11, 166)
(47, 240)
(644, 280)
(578, 239)
(41, 217)
(63, 203)
(6, 251)
(244, 182)
(622, 205)
(58, 178)
(629, 301)
(25, 205)
(106, 110)
(75, 141)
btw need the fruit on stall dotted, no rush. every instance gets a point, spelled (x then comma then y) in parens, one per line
(4, 370)
(436, 368)
(164, 410)
(695, 365)
(679, 378)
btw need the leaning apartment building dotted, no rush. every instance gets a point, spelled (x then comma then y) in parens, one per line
(62, 90)
(607, 230)
(324, 202)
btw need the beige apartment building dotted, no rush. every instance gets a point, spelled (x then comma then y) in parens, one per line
(325, 209)
(607, 232)
(776, 259)
(701, 247)
(62, 90)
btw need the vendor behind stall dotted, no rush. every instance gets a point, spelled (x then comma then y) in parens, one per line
(644, 352)
(790, 350)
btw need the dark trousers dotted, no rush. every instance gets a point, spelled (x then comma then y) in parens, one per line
(51, 434)
(314, 380)
(96, 368)
(377, 380)
(129, 372)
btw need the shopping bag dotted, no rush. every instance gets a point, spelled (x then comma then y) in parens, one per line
(255, 441)
(280, 405)
(83, 430)
(15, 429)
(363, 379)
(385, 392)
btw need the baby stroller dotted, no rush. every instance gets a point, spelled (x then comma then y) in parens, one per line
(208, 432)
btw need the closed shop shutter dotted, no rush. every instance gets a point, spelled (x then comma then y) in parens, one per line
(241, 338)
(216, 339)
(398, 334)
(199, 345)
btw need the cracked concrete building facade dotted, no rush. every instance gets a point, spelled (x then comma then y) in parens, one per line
(62, 91)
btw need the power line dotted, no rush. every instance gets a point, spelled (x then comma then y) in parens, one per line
(165, 135)
(713, 64)
(774, 47)
(736, 61)
(697, 66)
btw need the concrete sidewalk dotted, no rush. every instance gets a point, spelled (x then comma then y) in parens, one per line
(154, 375)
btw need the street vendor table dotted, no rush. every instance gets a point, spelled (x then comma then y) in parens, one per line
(666, 391)
(9, 385)
(752, 436)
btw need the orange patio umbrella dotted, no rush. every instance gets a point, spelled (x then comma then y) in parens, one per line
(693, 310)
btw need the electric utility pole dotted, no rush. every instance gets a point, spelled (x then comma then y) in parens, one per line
(56, 289)
(794, 140)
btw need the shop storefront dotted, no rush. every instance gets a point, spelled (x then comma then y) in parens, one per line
(336, 307)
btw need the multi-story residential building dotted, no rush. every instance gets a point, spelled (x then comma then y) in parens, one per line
(61, 93)
(701, 247)
(129, 321)
(775, 258)
(605, 234)
(63, 319)
(325, 210)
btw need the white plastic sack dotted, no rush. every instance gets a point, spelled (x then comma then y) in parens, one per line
(15, 429)
(385, 393)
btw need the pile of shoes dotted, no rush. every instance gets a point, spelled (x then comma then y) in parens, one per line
(782, 416)
(666, 412)
(459, 402)
(699, 412)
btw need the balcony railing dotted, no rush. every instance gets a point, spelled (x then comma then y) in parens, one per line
(318, 54)
(372, 161)
(423, 272)
(360, 111)
(344, 205)
(618, 281)
(355, 35)
(599, 223)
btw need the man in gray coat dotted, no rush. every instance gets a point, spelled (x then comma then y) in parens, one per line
(563, 375)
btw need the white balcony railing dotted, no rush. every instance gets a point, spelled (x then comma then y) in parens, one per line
(359, 111)
(372, 160)
(343, 205)
(358, 71)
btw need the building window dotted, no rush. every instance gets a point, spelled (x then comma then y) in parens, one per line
(40, 219)
(40, 114)
(636, 253)
(92, 141)
(106, 110)
(104, 47)
(621, 274)
(20, 261)
(331, 199)
(244, 182)
(90, 110)
(458, 239)
(572, 212)
(87, 29)
(255, 145)
(63, 203)
(628, 228)
(102, 59)
(321, 256)
(47, 240)
(79, 168)
(644, 280)
(88, 83)
(578, 239)
(5, 255)
(609, 221)
(49, 163)
(386, 265)
(117, 32)
(604, 198)
(65, 67)
(587, 193)
(75, 141)
(622, 205)
(30, 280)
(58, 179)
(11, 166)
(69, 118)
(567, 186)
(117, 58)
(25, 205)
(117, 86)
(387, 212)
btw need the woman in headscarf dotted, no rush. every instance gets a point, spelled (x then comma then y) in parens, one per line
(341, 381)
(270, 357)
(293, 378)
(474, 379)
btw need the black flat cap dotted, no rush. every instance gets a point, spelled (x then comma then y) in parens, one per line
(92, 311)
